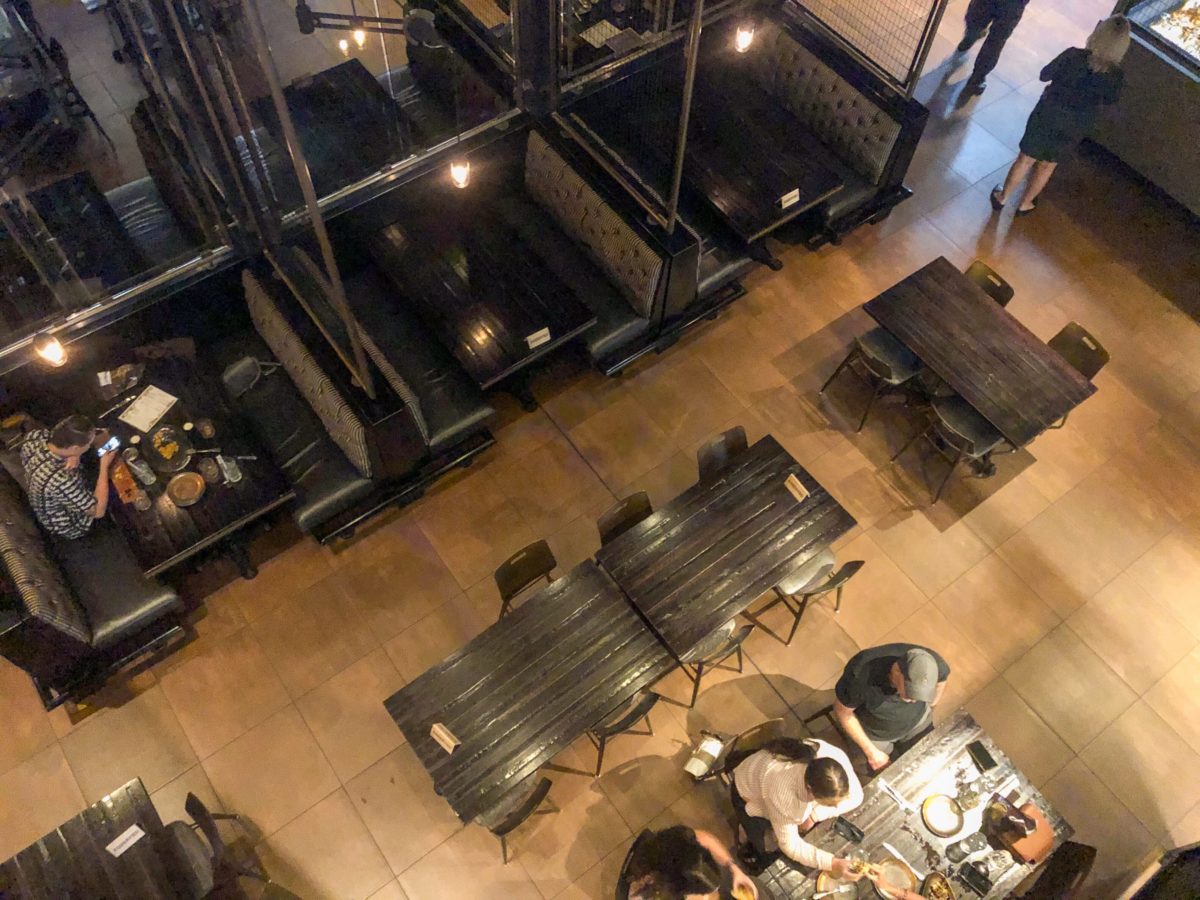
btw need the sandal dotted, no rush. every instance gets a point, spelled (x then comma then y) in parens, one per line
(1025, 212)
(997, 203)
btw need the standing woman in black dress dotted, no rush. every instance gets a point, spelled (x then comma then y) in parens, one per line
(1081, 81)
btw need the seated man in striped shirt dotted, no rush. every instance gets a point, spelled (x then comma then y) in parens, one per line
(54, 481)
(787, 788)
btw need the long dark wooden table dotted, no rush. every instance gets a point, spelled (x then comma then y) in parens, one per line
(527, 687)
(166, 535)
(71, 862)
(711, 552)
(1001, 368)
(491, 301)
(935, 765)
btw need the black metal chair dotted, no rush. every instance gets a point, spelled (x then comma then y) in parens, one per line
(521, 571)
(794, 584)
(796, 594)
(885, 362)
(712, 652)
(204, 864)
(1085, 354)
(623, 516)
(1064, 873)
(957, 432)
(622, 722)
(622, 890)
(993, 285)
(714, 456)
(749, 741)
(516, 810)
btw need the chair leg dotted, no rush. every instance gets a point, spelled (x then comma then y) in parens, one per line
(504, 849)
(837, 600)
(941, 487)
(649, 724)
(799, 613)
(921, 432)
(696, 684)
(845, 362)
(504, 608)
(739, 659)
(870, 404)
(600, 754)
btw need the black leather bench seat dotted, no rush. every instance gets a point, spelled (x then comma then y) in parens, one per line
(118, 600)
(617, 323)
(148, 221)
(451, 403)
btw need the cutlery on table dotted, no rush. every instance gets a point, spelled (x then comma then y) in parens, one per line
(895, 795)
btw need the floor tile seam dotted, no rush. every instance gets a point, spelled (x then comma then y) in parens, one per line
(1170, 727)
(54, 740)
(1155, 833)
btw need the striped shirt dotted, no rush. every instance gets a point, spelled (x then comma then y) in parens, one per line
(774, 789)
(60, 500)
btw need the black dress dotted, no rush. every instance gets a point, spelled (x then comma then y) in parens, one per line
(1067, 109)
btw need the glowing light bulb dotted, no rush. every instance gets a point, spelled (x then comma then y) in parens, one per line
(344, 46)
(744, 38)
(50, 348)
(360, 37)
(460, 173)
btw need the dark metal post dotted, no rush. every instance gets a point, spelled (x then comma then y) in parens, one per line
(535, 28)
(337, 292)
(691, 57)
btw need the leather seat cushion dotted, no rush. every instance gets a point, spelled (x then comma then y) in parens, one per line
(720, 265)
(452, 404)
(858, 191)
(617, 323)
(118, 599)
(148, 221)
(325, 482)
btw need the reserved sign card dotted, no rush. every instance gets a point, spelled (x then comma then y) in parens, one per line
(797, 490)
(125, 840)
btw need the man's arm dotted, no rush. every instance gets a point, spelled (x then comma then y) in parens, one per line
(853, 729)
(937, 695)
(101, 491)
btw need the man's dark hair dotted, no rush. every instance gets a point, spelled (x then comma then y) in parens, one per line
(825, 778)
(73, 431)
(678, 864)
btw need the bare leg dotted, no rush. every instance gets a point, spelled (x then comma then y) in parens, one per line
(1016, 174)
(1041, 175)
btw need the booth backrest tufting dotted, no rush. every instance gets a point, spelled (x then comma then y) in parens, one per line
(861, 133)
(342, 425)
(30, 570)
(588, 220)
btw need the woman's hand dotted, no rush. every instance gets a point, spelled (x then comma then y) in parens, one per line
(743, 886)
(841, 869)
(897, 893)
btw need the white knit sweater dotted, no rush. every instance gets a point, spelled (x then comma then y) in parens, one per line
(774, 789)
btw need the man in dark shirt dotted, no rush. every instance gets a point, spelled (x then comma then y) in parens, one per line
(54, 482)
(999, 19)
(885, 698)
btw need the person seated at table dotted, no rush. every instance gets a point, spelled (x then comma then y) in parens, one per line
(54, 482)
(681, 863)
(788, 787)
(885, 698)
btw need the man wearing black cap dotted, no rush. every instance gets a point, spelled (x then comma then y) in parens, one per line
(885, 698)
(999, 19)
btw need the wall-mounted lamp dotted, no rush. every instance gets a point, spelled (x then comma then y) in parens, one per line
(744, 37)
(460, 173)
(50, 348)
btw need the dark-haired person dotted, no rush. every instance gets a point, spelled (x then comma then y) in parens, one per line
(999, 18)
(54, 482)
(788, 787)
(682, 863)
(885, 698)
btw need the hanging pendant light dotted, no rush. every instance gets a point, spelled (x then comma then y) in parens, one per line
(744, 37)
(460, 172)
(50, 348)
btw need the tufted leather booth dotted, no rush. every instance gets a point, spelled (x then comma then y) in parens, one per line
(70, 608)
(592, 223)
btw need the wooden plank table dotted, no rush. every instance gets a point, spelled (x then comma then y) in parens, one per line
(936, 764)
(72, 862)
(1001, 368)
(527, 687)
(490, 300)
(711, 552)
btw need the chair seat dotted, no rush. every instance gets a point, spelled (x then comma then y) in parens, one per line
(193, 860)
(712, 644)
(811, 573)
(877, 344)
(959, 417)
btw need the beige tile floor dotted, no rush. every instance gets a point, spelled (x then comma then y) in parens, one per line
(1064, 592)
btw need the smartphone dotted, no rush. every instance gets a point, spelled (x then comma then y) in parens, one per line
(973, 878)
(848, 830)
(108, 446)
(980, 756)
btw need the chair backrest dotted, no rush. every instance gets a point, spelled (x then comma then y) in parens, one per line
(809, 573)
(622, 892)
(753, 739)
(1077, 346)
(208, 827)
(520, 811)
(1065, 872)
(523, 568)
(714, 456)
(623, 516)
(842, 575)
(626, 717)
(993, 285)
(729, 647)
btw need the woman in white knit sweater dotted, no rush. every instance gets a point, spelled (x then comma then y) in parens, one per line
(793, 785)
